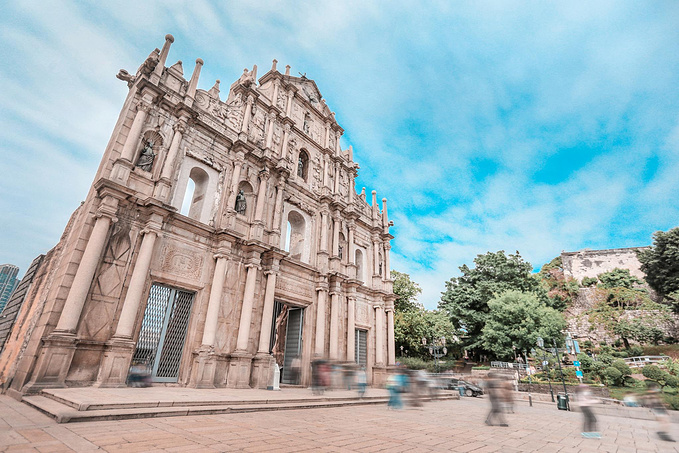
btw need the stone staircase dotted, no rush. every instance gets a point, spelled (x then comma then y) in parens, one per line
(79, 405)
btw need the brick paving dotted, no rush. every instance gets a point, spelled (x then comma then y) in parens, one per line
(455, 426)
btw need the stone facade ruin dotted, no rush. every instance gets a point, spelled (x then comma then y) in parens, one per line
(591, 263)
(221, 235)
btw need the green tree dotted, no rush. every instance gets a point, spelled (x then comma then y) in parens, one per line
(517, 319)
(619, 278)
(406, 292)
(660, 263)
(466, 297)
(412, 325)
(561, 290)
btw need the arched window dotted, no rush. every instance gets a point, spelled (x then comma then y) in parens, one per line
(295, 235)
(303, 165)
(359, 264)
(194, 197)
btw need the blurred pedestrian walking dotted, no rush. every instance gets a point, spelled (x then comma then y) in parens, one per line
(585, 401)
(496, 396)
(653, 401)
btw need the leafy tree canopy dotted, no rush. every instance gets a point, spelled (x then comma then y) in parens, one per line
(619, 278)
(406, 291)
(412, 325)
(660, 263)
(561, 290)
(466, 297)
(518, 319)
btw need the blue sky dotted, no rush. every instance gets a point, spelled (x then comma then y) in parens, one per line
(529, 126)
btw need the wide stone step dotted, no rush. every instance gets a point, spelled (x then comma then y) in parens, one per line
(63, 413)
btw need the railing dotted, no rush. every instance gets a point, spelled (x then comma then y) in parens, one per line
(642, 361)
(520, 366)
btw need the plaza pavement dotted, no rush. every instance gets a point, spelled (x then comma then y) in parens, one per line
(438, 426)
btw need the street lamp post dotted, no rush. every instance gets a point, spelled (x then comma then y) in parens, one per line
(437, 348)
(541, 345)
(563, 381)
(530, 379)
(545, 363)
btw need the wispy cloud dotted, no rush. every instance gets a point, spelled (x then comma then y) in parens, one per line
(535, 127)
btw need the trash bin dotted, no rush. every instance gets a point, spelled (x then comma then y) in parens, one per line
(461, 390)
(562, 402)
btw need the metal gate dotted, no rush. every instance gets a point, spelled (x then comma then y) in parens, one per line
(361, 348)
(163, 331)
(293, 345)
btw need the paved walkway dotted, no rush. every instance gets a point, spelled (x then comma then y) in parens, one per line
(439, 426)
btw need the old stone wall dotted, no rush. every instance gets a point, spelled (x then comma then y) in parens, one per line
(590, 263)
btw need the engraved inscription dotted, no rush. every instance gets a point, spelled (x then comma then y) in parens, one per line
(181, 262)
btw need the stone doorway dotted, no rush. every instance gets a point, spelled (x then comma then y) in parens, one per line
(286, 341)
(163, 332)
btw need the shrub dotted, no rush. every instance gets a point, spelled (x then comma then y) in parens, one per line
(605, 358)
(622, 367)
(672, 401)
(671, 380)
(635, 351)
(586, 363)
(653, 373)
(612, 375)
(669, 390)
(480, 368)
(589, 281)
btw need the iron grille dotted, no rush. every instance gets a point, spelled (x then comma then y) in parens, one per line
(293, 344)
(361, 347)
(163, 331)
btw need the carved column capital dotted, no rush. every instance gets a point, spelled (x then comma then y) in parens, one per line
(144, 106)
(250, 100)
(218, 256)
(287, 127)
(180, 126)
(264, 174)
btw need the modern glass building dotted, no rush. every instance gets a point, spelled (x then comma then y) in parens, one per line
(8, 281)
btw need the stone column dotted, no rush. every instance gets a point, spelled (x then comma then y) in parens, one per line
(75, 301)
(261, 366)
(267, 316)
(337, 178)
(193, 83)
(248, 113)
(261, 195)
(376, 257)
(288, 106)
(379, 336)
(319, 347)
(132, 140)
(257, 230)
(246, 311)
(278, 211)
(351, 330)
(241, 360)
(334, 325)
(324, 231)
(169, 39)
(179, 129)
(335, 234)
(205, 362)
(128, 315)
(351, 245)
(326, 141)
(387, 270)
(326, 180)
(235, 180)
(276, 88)
(162, 190)
(212, 316)
(269, 133)
(286, 137)
(391, 352)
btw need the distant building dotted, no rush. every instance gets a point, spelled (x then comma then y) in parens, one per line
(591, 263)
(8, 281)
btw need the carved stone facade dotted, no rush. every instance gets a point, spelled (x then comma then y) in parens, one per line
(159, 267)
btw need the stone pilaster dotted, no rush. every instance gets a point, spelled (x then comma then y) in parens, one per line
(58, 349)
